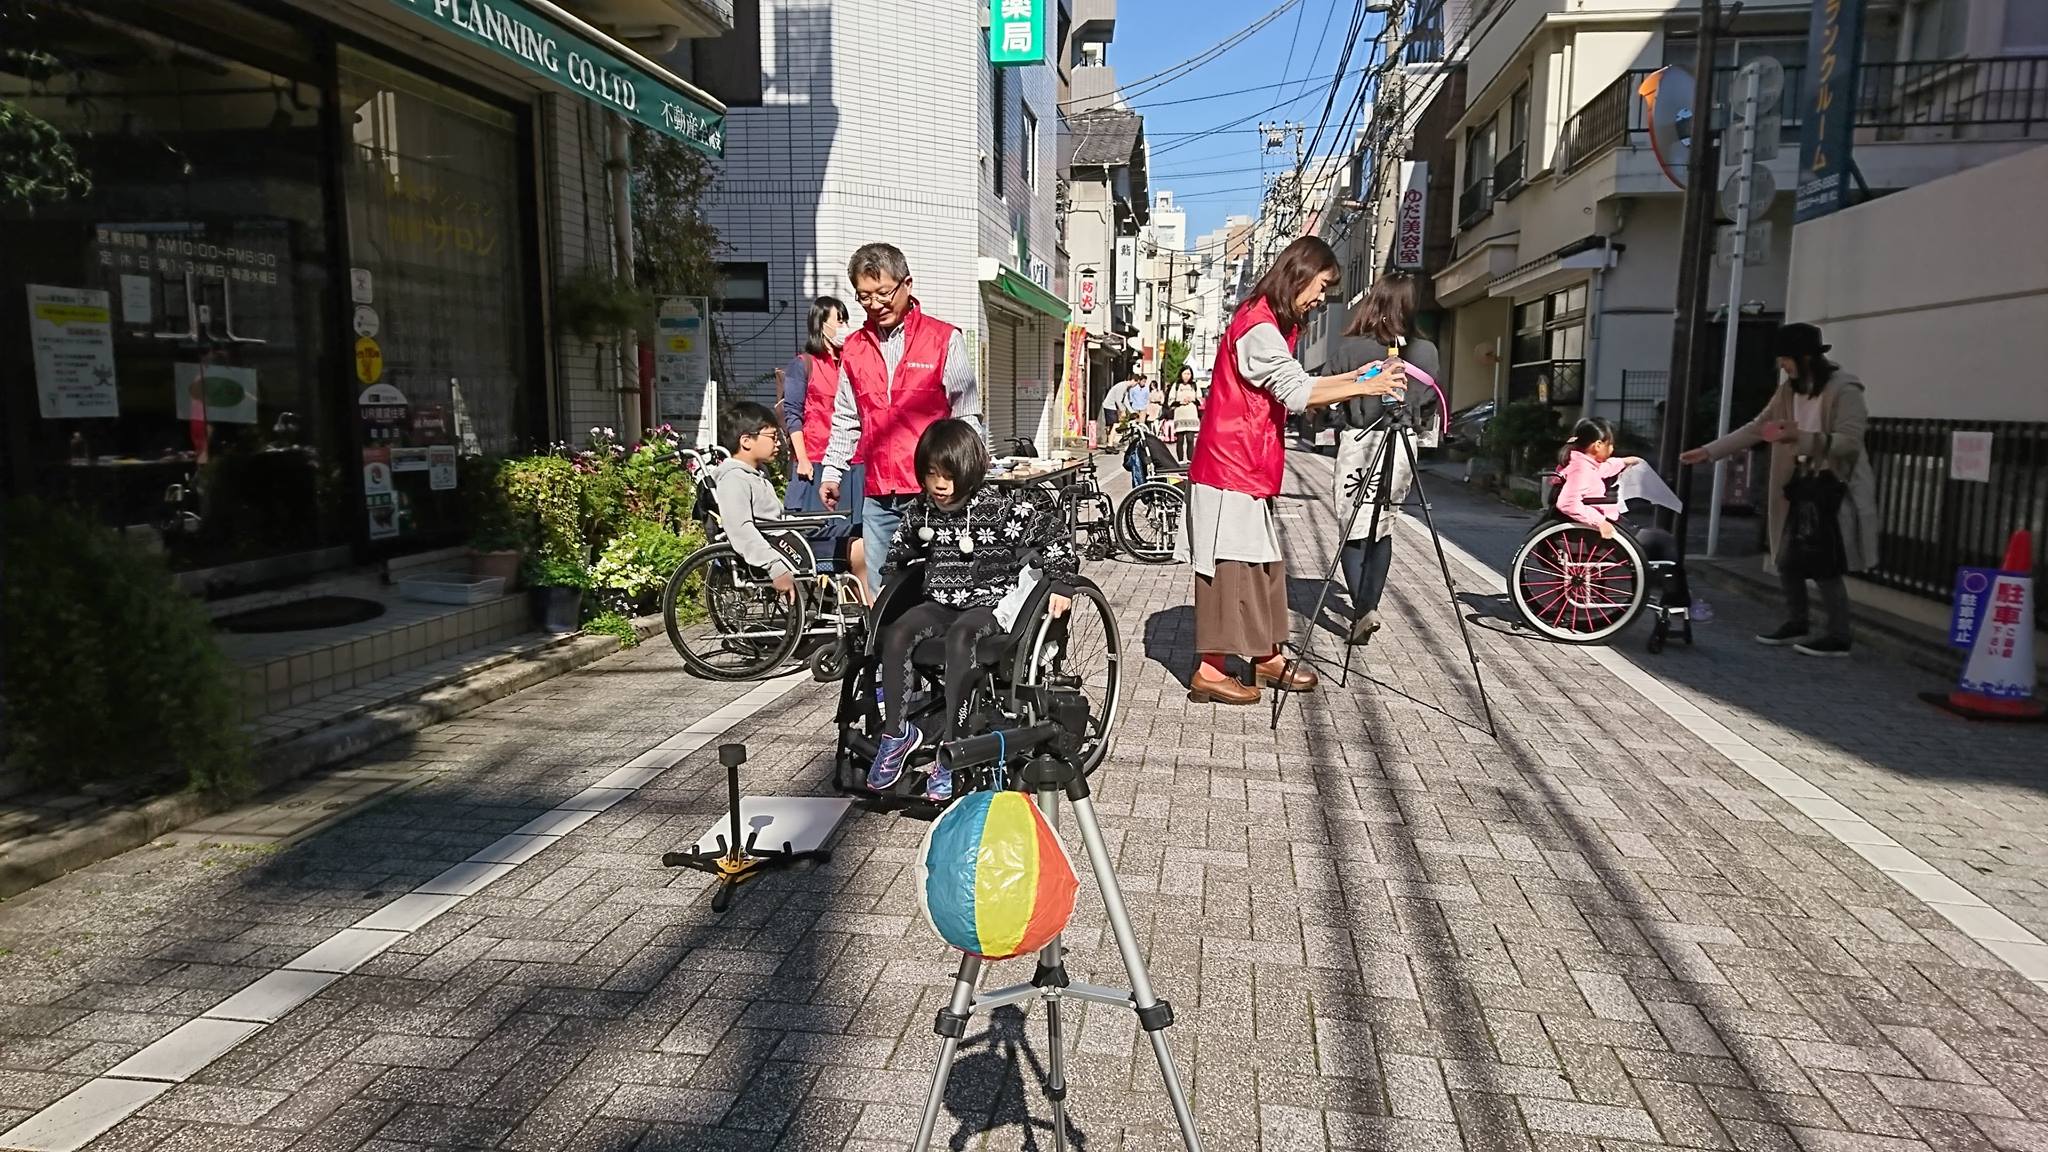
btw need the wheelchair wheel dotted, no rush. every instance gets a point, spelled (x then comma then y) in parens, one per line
(1149, 521)
(1092, 518)
(727, 621)
(1574, 586)
(1079, 652)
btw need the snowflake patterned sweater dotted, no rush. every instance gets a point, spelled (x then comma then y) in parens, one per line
(975, 554)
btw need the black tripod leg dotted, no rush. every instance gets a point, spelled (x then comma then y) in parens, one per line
(1384, 463)
(1451, 589)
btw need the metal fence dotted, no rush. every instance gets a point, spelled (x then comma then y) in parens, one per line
(1642, 403)
(1930, 523)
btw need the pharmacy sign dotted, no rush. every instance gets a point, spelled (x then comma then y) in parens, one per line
(1016, 33)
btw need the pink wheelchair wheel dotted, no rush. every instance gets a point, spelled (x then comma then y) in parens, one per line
(1574, 586)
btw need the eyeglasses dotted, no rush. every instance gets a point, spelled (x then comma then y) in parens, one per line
(771, 433)
(867, 299)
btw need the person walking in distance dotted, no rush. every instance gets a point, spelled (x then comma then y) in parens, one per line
(810, 385)
(1186, 413)
(1817, 416)
(1239, 462)
(899, 373)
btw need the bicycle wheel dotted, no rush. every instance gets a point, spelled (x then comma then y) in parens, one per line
(1079, 652)
(1148, 524)
(1574, 586)
(726, 621)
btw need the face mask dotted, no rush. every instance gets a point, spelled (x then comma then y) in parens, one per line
(837, 337)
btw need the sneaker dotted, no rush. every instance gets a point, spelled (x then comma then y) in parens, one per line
(891, 754)
(939, 785)
(1786, 634)
(1823, 646)
(1363, 626)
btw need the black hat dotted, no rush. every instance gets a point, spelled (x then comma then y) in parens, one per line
(1798, 340)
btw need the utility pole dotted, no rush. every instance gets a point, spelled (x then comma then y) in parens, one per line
(1695, 233)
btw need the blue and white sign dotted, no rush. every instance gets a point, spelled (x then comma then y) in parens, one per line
(1972, 598)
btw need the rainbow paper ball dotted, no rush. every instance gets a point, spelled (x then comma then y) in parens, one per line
(994, 879)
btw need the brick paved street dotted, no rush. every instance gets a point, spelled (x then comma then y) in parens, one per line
(1381, 928)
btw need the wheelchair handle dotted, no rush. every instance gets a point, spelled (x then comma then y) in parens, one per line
(1003, 746)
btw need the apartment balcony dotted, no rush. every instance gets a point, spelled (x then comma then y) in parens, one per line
(1511, 173)
(1914, 122)
(696, 19)
(1475, 203)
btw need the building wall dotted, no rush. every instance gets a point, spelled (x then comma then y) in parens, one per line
(823, 166)
(1937, 296)
(576, 211)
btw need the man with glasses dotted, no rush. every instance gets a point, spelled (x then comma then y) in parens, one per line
(898, 375)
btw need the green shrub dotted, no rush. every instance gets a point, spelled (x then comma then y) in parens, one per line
(556, 572)
(1523, 436)
(492, 523)
(613, 624)
(113, 675)
(636, 565)
(545, 496)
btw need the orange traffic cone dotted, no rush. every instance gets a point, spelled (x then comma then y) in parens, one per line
(1997, 681)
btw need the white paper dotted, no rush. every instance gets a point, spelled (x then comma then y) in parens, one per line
(137, 301)
(1969, 456)
(1013, 601)
(72, 333)
(441, 469)
(1641, 482)
(228, 393)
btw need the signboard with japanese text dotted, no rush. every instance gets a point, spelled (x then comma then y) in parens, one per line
(682, 368)
(1016, 33)
(1086, 298)
(2001, 662)
(1409, 214)
(71, 331)
(1126, 269)
(545, 47)
(1828, 108)
(1973, 589)
(1969, 456)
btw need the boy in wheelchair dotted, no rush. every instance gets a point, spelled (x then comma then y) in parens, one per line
(744, 496)
(977, 542)
(1585, 466)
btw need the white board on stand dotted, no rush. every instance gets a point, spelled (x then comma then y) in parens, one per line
(805, 821)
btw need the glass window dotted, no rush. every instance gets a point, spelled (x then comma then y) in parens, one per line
(168, 330)
(729, 66)
(1518, 118)
(2026, 26)
(1030, 150)
(1938, 28)
(999, 135)
(1478, 155)
(742, 287)
(439, 276)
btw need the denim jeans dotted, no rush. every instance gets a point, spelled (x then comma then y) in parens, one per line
(1834, 600)
(1134, 462)
(879, 516)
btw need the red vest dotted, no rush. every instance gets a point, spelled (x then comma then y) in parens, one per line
(821, 387)
(1240, 447)
(893, 414)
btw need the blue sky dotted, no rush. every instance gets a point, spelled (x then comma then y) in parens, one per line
(1220, 174)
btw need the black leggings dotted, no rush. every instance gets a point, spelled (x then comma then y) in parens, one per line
(1366, 564)
(963, 629)
(1660, 550)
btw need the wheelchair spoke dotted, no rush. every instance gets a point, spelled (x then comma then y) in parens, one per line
(726, 620)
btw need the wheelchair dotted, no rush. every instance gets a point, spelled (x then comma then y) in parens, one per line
(727, 621)
(1572, 585)
(1149, 518)
(1066, 669)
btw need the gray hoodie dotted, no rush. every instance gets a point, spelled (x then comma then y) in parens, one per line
(744, 497)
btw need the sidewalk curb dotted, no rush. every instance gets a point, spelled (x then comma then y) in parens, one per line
(39, 860)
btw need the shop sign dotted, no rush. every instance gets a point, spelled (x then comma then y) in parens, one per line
(441, 470)
(381, 409)
(1827, 121)
(682, 368)
(1016, 33)
(369, 360)
(367, 322)
(217, 393)
(1409, 215)
(540, 45)
(1126, 269)
(361, 289)
(72, 333)
(430, 424)
(1087, 292)
(408, 459)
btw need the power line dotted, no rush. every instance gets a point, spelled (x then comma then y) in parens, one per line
(1221, 95)
(1168, 75)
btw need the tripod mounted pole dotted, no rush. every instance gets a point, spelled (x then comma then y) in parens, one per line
(1382, 497)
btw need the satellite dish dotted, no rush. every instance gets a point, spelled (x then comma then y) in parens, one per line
(1668, 94)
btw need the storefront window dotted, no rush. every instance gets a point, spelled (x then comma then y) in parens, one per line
(163, 337)
(439, 291)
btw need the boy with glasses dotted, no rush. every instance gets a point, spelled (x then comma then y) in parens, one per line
(899, 374)
(746, 496)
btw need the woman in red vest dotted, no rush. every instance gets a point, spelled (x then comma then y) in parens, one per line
(1240, 459)
(809, 385)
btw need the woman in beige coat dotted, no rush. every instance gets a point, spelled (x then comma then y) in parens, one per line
(1818, 412)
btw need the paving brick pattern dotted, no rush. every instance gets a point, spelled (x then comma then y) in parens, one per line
(1381, 929)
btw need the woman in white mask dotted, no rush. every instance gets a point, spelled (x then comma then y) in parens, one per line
(808, 387)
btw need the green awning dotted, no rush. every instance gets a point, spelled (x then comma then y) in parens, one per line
(1030, 295)
(555, 44)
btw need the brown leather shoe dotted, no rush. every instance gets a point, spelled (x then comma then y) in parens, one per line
(1225, 691)
(1300, 679)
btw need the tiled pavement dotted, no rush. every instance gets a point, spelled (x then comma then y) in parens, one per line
(1381, 928)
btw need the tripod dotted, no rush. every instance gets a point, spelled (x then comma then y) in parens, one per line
(1046, 774)
(1381, 488)
(736, 861)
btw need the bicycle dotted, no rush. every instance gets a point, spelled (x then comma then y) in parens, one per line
(1149, 518)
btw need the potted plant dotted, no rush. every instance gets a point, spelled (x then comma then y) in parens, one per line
(496, 545)
(558, 584)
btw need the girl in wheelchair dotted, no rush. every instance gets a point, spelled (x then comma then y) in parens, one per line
(1586, 464)
(976, 541)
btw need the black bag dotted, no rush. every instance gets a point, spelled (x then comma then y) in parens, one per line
(1812, 548)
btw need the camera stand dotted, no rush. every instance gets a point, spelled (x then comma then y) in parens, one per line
(1380, 490)
(736, 861)
(1046, 776)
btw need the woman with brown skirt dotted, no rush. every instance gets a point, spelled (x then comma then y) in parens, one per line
(1239, 462)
